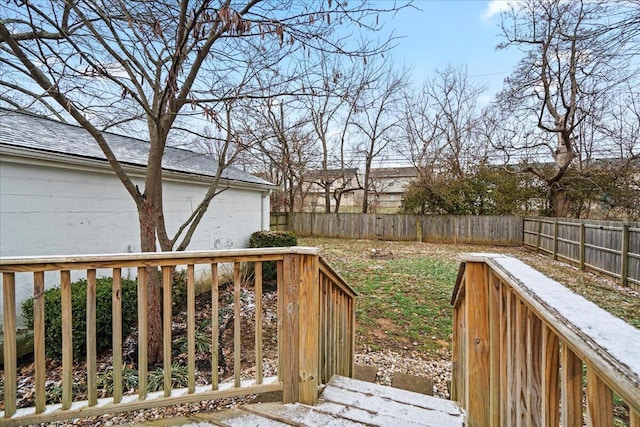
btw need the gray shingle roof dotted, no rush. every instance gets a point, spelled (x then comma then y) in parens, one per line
(43, 134)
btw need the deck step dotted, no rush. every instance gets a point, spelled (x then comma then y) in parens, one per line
(348, 402)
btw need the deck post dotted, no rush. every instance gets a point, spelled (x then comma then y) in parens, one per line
(477, 363)
(300, 329)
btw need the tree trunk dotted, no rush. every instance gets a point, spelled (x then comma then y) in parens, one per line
(327, 197)
(559, 202)
(148, 219)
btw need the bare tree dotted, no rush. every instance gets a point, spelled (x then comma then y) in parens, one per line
(375, 117)
(152, 65)
(331, 97)
(440, 129)
(575, 52)
(276, 132)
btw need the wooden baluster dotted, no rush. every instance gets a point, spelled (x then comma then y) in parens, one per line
(38, 340)
(571, 388)
(167, 308)
(142, 332)
(504, 355)
(92, 371)
(236, 324)
(494, 350)
(191, 328)
(215, 324)
(534, 372)
(10, 353)
(520, 367)
(116, 314)
(258, 331)
(67, 340)
(512, 373)
(599, 401)
(550, 411)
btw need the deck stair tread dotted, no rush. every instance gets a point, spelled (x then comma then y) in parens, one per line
(348, 402)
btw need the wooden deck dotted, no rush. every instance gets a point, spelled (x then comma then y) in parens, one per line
(345, 402)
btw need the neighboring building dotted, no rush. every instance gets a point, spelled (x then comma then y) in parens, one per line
(344, 181)
(388, 186)
(59, 196)
(386, 189)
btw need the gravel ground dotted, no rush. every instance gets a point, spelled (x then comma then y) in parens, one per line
(389, 362)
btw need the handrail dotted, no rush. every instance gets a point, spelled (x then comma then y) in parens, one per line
(305, 285)
(520, 342)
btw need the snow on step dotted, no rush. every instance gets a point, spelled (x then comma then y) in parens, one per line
(379, 405)
(236, 418)
(346, 402)
(301, 415)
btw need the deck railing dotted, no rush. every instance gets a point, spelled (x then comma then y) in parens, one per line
(315, 313)
(528, 351)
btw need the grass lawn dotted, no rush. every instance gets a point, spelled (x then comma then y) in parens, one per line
(404, 297)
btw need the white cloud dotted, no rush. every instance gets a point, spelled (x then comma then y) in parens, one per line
(495, 7)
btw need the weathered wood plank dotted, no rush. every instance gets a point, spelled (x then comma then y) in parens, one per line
(67, 343)
(92, 371)
(167, 323)
(10, 354)
(116, 314)
(38, 341)
(494, 349)
(134, 403)
(571, 388)
(535, 371)
(550, 410)
(215, 325)
(142, 332)
(309, 300)
(191, 327)
(599, 401)
(236, 324)
(258, 338)
(477, 360)
(290, 344)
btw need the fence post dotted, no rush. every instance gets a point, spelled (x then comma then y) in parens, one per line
(418, 228)
(582, 242)
(624, 264)
(539, 233)
(555, 239)
(299, 351)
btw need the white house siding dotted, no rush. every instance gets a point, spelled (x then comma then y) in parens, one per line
(53, 208)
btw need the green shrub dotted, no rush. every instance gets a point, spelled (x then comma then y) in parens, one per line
(271, 239)
(179, 378)
(179, 291)
(53, 316)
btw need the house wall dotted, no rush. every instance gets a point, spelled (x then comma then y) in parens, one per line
(50, 208)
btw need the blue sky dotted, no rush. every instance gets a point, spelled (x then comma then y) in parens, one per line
(456, 32)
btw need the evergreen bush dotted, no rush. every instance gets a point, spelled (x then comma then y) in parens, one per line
(271, 239)
(53, 316)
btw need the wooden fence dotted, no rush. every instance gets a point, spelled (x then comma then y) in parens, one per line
(528, 351)
(609, 247)
(315, 312)
(492, 230)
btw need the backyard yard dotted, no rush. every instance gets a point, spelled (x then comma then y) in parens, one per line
(405, 291)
